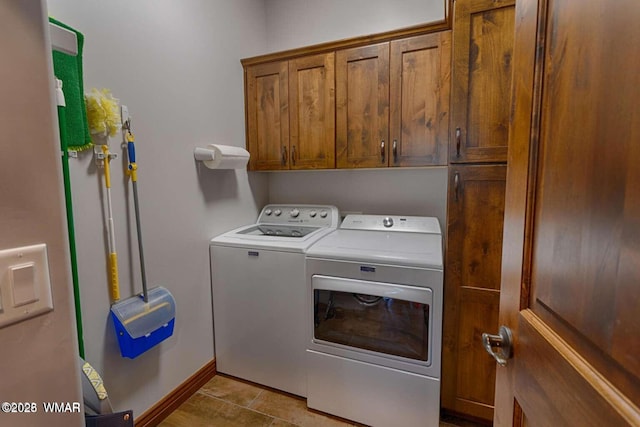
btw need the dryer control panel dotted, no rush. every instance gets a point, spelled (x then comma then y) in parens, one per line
(407, 224)
(308, 215)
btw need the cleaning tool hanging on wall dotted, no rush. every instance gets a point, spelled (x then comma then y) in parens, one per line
(73, 130)
(103, 113)
(100, 109)
(144, 320)
(62, 127)
(68, 68)
(114, 285)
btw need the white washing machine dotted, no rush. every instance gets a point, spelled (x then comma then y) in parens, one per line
(374, 319)
(259, 294)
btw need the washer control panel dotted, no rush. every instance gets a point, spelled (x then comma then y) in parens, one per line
(309, 215)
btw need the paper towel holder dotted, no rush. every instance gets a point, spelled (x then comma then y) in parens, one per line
(216, 156)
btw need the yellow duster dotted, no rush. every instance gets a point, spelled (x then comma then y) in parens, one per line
(103, 113)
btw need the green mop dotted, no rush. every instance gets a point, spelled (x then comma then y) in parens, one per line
(74, 135)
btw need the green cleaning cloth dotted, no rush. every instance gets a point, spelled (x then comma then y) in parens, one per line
(68, 68)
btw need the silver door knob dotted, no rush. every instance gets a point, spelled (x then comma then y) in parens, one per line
(502, 343)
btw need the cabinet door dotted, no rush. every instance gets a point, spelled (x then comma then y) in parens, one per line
(419, 97)
(472, 286)
(482, 52)
(362, 106)
(312, 114)
(267, 104)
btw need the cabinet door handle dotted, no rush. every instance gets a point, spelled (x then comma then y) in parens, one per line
(293, 155)
(284, 155)
(458, 137)
(456, 184)
(382, 151)
(395, 150)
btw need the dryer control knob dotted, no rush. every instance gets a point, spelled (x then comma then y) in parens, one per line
(313, 214)
(294, 213)
(277, 212)
(268, 212)
(323, 214)
(387, 222)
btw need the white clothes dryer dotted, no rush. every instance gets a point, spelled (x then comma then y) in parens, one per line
(259, 294)
(374, 319)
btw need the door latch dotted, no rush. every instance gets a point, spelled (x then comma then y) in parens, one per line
(502, 343)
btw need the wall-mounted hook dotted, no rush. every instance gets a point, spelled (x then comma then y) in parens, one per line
(100, 155)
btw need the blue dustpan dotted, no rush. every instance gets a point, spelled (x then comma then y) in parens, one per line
(141, 325)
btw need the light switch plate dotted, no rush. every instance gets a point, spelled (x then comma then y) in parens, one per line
(25, 285)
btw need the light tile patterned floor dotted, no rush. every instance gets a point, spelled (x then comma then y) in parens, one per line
(229, 402)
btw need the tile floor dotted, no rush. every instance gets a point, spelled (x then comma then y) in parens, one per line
(229, 402)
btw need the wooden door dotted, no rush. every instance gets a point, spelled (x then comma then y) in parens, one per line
(267, 104)
(312, 113)
(571, 265)
(482, 69)
(419, 99)
(362, 107)
(472, 286)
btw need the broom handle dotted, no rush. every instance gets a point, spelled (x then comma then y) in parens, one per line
(140, 251)
(113, 257)
(133, 172)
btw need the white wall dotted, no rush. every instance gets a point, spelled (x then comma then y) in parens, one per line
(296, 23)
(176, 65)
(393, 191)
(38, 357)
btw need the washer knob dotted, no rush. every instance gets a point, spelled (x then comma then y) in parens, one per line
(387, 222)
(323, 214)
(277, 212)
(268, 212)
(313, 214)
(294, 213)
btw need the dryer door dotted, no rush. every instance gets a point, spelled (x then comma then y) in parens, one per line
(373, 318)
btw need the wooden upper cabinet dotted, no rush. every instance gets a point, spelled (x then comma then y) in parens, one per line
(378, 105)
(482, 72)
(393, 103)
(267, 110)
(362, 106)
(290, 110)
(312, 112)
(419, 99)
